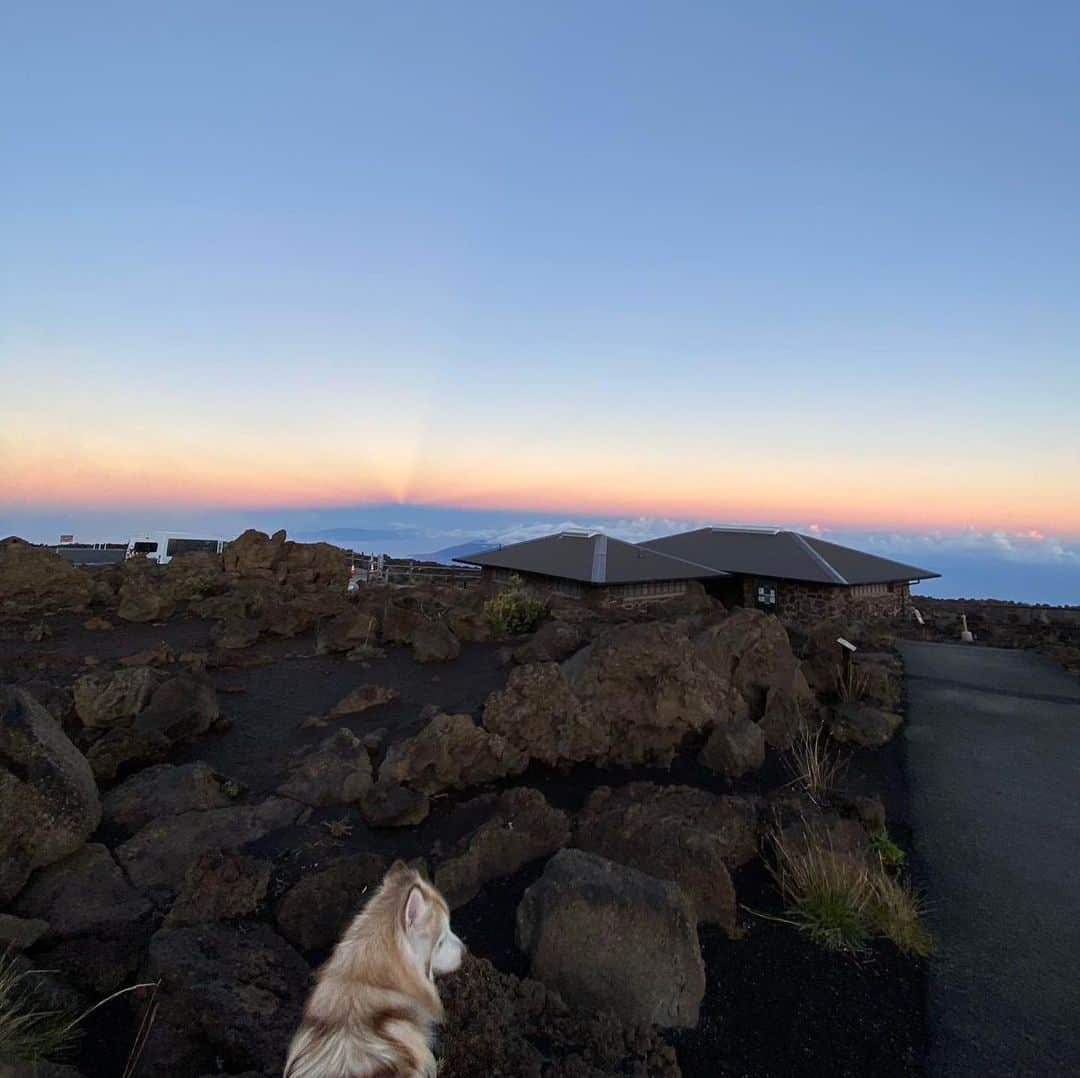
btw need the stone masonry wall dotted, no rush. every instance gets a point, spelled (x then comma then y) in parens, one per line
(810, 603)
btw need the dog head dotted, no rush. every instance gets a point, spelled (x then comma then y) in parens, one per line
(424, 922)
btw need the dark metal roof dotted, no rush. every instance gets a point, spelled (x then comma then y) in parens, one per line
(592, 558)
(785, 555)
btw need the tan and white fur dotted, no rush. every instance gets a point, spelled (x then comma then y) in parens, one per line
(374, 1007)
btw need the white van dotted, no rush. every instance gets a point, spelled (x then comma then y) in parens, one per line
(162, 547)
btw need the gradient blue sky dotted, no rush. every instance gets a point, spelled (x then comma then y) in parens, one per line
(797, 263)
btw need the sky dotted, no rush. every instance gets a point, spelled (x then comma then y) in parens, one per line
(497, 266)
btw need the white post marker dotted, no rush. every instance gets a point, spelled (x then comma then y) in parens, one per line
(966, 636)
(847, 649)
(917, 613)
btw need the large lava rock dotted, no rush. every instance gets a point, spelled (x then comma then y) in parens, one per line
(607, 936)
(498, 1024)
(677, 833)
(167, 790)
(552, 642)
(48, 798)
(451, 753)
(315, 911)
(34, 580)
(160, 854)
(85, 894)
(734, 748)
(522, 828)
(863, 725)
(337, 771)
(639, 690)
(224, 994)
(113, 698)
(433, 642)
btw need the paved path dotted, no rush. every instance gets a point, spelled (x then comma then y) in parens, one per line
(993, 747)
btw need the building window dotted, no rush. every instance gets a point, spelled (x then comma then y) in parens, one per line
(860, 591)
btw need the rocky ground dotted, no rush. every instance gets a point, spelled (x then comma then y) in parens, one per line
(204, 769)
(1051, 630)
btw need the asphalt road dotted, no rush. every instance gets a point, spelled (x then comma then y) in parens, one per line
(993, 748)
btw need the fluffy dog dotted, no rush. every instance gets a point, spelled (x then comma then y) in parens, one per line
(374, 1007)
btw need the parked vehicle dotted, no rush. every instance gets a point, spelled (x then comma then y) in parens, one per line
(162, 547)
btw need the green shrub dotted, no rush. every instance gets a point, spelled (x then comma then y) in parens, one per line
(888, 853)
(513, 612)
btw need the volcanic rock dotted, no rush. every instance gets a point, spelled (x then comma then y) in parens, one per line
(85, 894)
(105, 699)
(362, 698)
(861, 724)
(552, 642)
(453, 753)
(48, 798)
(224, 994)
(433, 642)
(315, 911)
(607, 936)
(734, 748)
(677, 833)
(220, 885)
(522, 828)
(167, 790)
(34, 580)
(337, 771)
(160, 853)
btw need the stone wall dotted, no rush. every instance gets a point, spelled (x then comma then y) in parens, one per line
(810, 603)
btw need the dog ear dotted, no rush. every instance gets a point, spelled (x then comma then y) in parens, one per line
(415, 907)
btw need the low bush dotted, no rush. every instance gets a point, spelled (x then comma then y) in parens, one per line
(513, 612)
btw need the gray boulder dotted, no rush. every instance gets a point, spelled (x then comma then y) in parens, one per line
(606, 936)
(181, 708)
(48, 798)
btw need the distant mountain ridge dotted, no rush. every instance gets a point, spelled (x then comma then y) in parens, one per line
(461, 550)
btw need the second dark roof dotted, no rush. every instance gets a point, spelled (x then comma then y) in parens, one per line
(786, 555)
(592, 558)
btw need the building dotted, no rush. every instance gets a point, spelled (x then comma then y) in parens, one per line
(798, 577)
(591, 565)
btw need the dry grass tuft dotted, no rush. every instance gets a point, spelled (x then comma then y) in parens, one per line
(815, 770)
(27, 1031)
(897, 909)
(841, 900)
(827, 895)
(853, 686)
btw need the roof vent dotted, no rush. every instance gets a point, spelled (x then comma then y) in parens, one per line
(574, 533)
(761, 530)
